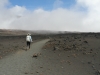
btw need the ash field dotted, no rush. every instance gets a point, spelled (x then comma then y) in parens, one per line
(62, 54)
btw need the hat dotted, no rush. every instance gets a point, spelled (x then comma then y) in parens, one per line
(28, 34)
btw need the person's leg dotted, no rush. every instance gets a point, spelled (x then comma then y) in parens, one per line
(29, 45)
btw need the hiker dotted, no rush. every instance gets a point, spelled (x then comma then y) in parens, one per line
(28, 40)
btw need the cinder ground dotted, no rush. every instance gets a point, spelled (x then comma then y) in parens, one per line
(73, 54)
(22, 62)
(12, 43)
(67, 54)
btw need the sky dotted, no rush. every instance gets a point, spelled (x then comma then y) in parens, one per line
(45, 4)
(54, 15)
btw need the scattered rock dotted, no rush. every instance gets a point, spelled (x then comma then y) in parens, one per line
(68, 48)
(68, 56)
(41, 67)
(75, 55)
(91, 50)
(0, 57)
(85, 42)
(26, 72)
(69, 62)
(35, 55)
(62, 61)
(55, 48)
(98, 71)
(89, 62)
(37, 72)
(93, 66)
(39, 53)
(75, 37)
(62, 67)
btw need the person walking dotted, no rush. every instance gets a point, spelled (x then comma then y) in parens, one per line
(28, 40)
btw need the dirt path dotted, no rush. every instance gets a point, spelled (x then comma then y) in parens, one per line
(21, 62)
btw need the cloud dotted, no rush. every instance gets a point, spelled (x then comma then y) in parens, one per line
(58, 3)
(49, 20)
(4, 3)
(19, 17)
(92, 19)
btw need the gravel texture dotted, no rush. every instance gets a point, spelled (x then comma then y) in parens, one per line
(21, 62)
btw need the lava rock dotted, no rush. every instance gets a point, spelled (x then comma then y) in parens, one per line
(35, 55)
(85, 42)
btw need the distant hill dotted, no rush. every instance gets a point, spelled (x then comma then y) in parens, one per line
(24, 32)
(12, 32)
(4, 32)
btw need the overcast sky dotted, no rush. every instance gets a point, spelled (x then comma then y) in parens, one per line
(59, 15)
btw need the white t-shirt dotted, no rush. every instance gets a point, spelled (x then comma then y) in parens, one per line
(28, 38)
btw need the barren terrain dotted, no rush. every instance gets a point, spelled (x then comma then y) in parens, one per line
(61, 54)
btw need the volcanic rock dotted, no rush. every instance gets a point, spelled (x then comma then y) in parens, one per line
(35, 55)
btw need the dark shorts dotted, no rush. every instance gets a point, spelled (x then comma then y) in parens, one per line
(28, 43)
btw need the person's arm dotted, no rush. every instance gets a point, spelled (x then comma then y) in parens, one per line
(31, 38)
